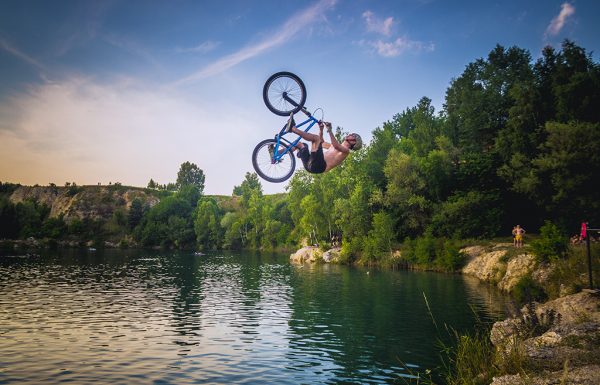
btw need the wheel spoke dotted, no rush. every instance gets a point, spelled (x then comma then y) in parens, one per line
(277, 171)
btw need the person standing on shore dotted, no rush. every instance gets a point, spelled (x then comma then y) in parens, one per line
(518, 232)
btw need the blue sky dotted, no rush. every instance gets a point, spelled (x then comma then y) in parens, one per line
(124, 91)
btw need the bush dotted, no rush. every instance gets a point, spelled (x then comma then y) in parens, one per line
(425, 249)
(552, 243)
(351, 248)
(378, 244)
(527, 290)
(449, 257)
(408, 250)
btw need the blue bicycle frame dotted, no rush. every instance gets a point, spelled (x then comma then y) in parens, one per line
(277, 155)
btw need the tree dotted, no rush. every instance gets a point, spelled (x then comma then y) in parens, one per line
(152, 184)
(168, 224)
(250, 184)
(136, 212)
(207, 224)
(379, 241)
(190, 174)
(564, 175)
(9, 222)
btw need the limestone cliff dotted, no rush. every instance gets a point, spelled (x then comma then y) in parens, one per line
(494, 265)
(557, 340)
(92, 202)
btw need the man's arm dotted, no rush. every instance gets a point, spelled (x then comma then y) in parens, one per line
(334, 141)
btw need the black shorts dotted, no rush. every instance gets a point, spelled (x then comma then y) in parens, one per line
(314, 162)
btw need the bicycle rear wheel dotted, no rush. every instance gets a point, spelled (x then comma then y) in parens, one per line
(284, 93)
(269, 169)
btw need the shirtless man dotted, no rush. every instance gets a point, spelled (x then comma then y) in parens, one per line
(518, 232)
(316, 160)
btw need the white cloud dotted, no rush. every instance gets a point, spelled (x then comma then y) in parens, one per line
(393, 47)
(381, 26)
(397, 47)
(289, 30)
(556, 25)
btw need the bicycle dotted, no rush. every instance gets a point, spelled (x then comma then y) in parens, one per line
(284, 94)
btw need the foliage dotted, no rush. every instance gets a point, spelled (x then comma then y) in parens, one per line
(190, 174)
(425, 249)
(378, 244)
(527, 290)
(135, 214)
(207, 224)
(449, 257)
(472, 360)
(9, 221)
(552, 243)
(534, 324)
(468, 214)
(168, 224)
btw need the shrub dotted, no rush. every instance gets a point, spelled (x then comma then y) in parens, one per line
(425, 249)
(408, 250)
(450, 258)
(552, 243)
(527, 290)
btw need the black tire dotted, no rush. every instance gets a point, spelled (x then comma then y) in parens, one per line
(280, 84)
(266, 169)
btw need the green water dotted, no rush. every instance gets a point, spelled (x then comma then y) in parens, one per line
(133, 317)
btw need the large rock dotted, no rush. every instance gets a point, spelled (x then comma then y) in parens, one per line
(584, 375)
(517, 268)
(332, 255)
(578, 308)
(307, 254)
(564, 349)
(486, 266)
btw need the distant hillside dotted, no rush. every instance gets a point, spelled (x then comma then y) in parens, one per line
(85, 202)
(112, 215)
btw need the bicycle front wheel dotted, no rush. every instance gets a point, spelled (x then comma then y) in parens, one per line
(284, 93)
(271, 170)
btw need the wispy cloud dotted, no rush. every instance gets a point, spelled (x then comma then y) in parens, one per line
(11, 49)
(397, 47)
(289, 30)
(377, 25)
(201, 48)
(556, 25)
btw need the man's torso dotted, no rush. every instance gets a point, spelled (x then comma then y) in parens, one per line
(333, 157)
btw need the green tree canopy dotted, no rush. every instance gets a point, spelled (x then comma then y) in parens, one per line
(190, 174)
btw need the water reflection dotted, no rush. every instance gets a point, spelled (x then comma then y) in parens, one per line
(131, 317)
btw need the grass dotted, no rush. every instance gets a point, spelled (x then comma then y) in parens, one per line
(472, 359)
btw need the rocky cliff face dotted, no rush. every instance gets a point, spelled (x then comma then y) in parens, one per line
(559, 339)
(493, 265)
(91, 202)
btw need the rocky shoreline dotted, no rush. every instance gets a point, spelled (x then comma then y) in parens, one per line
(556, 342)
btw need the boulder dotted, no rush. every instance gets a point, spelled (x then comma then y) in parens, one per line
(332, 255)
(307, 254)
(486, 266)
(517, 268)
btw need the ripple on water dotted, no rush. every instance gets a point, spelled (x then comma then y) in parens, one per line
(177, 319)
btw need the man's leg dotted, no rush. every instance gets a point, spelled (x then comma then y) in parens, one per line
(313, 138)
(307, 136)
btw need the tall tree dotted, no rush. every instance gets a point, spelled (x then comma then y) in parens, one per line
(190, 174)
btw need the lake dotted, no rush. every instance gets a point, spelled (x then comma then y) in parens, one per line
(146, 317)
